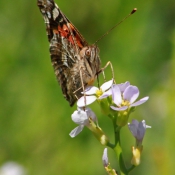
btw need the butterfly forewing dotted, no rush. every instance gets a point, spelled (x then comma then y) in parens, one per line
(75, 63)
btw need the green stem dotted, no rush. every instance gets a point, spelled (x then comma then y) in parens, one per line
(118, 150)
(131, 168)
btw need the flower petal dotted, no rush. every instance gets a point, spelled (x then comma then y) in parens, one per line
(133, 127)
(105, 157)
(141, 130)
(90, 90)
(106, 94)
(91, 114)
(87, 99)
(141, 101)
(138, 129)
(80, 117)
(147, 126)
(119, 109)
(116, 95)
(76, 131)
(131, 93)
(105, 86)
(123, 86)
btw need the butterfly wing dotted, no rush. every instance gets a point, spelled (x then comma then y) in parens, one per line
(65, 45)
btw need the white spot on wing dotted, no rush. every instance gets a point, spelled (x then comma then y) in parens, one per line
(48, 14)
(55, 13)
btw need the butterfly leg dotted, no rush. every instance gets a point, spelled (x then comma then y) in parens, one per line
(102, 70)
(98, 81)
(81, 77)
(82, 87)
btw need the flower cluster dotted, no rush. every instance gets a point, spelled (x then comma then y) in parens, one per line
(117, 101)
(123, 95)
(114, 99)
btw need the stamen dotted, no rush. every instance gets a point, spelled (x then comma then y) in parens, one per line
(99, 92)
(125, 103)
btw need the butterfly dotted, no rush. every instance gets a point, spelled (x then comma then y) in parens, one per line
(75, 62)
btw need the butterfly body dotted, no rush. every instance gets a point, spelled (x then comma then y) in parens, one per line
(75, 63)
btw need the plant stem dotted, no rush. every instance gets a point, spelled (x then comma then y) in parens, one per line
(118, 150)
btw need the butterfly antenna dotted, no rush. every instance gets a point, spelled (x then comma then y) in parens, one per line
(133, 11)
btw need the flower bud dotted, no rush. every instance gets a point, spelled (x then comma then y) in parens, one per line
(105, 106)
(106, 164)
(98, 132)
(136, 155)
(122, 118)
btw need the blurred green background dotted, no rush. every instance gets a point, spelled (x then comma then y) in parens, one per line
(35, 119)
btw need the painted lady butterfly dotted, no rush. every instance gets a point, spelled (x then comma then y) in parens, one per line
(76, 64)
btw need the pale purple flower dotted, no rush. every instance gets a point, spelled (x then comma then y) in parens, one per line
(138, 130)
(124, 96)
(81, 118)
(105, 157)
(93, 93)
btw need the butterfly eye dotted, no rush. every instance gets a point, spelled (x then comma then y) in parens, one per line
(88, 53)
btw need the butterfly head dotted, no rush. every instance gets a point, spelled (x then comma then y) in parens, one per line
(91, 54)
(91, 63)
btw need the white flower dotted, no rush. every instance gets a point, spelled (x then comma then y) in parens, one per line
(81, 118)
(93, 93)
